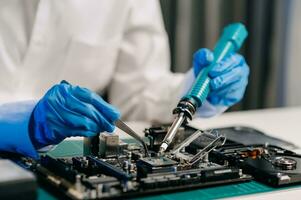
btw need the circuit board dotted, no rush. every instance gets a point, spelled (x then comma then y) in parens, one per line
(111, 168)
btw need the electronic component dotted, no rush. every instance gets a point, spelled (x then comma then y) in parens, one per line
(284, 163)
(104, 145)
(109, 169)
(269, 164)
(108, 145)
(160, 164)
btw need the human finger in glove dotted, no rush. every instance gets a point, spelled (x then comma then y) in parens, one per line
(229, 79)
(68, 110)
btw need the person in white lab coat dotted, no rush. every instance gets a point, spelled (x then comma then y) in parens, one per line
(119, 47)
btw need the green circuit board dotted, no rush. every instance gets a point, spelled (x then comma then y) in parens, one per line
(75, 147)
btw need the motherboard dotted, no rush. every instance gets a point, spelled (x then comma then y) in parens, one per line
(111, 168)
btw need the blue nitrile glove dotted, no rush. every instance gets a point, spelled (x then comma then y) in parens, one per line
(14, 132)
(68, 110)
(229, 78)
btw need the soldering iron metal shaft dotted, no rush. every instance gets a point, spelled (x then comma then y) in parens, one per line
(172, 132)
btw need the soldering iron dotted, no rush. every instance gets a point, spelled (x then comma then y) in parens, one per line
(231, 40)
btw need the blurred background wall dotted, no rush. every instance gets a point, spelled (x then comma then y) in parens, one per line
(192, 24)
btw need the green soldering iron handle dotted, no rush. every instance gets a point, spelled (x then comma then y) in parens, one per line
(231, 40)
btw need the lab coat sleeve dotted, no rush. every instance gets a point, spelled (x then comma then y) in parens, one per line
(143, 87)
(14, 128)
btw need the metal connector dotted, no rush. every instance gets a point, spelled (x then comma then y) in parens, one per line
(187, 141)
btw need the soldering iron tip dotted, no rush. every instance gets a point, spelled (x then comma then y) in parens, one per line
(163, 147)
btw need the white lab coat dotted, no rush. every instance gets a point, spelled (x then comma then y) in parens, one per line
(116, 46)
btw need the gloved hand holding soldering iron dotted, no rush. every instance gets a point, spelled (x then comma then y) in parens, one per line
(229, 78)
(67, 110)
